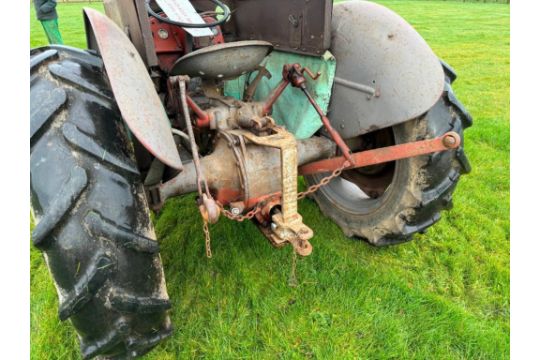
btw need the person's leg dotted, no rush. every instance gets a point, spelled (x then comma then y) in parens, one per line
(52, 31)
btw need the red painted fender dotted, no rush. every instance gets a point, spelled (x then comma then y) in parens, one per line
(133, 89)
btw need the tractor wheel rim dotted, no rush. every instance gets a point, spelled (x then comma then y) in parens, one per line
(364, 190)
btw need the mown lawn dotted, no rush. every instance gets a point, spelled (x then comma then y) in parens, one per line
(443, 296)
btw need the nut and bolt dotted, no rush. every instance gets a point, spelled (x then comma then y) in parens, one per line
(163, 34)
(449, 141)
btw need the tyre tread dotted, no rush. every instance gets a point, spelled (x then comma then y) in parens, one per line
(79, 139)
(424, 197)
(64, 200)
(90, 248)
(88, 285)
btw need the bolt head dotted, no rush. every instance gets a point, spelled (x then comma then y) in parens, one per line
(163, 34)
(449, 141)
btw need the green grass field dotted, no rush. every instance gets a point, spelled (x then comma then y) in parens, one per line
(444, 296)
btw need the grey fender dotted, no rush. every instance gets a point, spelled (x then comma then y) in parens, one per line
(386, 73)
(133, 88)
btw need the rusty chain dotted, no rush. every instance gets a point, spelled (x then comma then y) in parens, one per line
(258, 208)
(207, 239)
(248, 216)
(324, 181)
(313, 188)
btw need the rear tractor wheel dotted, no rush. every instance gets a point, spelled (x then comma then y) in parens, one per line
(93, 223)
(388, 203)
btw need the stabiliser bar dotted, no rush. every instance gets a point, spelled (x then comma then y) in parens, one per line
(448, 141)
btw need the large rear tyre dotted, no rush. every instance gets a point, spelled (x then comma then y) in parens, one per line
(93, 223)
(388, 203)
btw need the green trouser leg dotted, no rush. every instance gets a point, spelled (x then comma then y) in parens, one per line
(52, 31)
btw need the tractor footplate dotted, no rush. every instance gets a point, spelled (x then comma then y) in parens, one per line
(287, 225)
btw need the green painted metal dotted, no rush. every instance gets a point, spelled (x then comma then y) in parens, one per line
(292, 109)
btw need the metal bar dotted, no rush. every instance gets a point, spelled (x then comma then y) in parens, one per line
(289, 178)
(203, 118)
(355, 86)
(450, 140)
(194, 149)
(272, 98)
(326, 122)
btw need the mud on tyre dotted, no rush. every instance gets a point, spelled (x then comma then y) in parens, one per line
(93, 224)
(388, 203)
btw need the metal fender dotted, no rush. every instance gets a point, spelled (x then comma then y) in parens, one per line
(386, 73)
(133, 89)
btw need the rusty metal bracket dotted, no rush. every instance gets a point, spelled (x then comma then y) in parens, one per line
(250, 91)
(294, 74)
(450, 140)
(287, 225)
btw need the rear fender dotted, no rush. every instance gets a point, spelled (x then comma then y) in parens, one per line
(133, 88)
(386, 73)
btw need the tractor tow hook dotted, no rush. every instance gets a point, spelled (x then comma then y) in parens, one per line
(287, 225)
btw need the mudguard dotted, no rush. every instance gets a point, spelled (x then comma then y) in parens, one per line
(386, 73)
(133, 88)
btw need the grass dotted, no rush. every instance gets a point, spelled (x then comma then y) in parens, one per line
(443, 296)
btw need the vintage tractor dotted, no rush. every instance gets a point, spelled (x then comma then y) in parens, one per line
(232, 100)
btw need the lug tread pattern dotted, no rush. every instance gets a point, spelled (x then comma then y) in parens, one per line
(60, 206)
(105, 343)
(87, 286)
(84, 142)
(39, 57)
(445, 186)
(127, 303)
(466, 118)
(101, 226)
(93, 221)
(449, 71)
(46, 100)
(424, 197)
(463, 161)
(74, 73)
(139, 347)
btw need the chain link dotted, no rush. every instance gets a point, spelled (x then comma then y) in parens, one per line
(258, 208)
(313, 188)
(208, 245)
(324, 181)
(250, 215)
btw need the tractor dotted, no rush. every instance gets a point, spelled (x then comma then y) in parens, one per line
(232, 100)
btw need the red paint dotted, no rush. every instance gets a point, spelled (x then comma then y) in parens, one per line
(227, 196)
(294, 74)
(333, 133)
(203, 118)
(175, 46)
(272, 98)
(385, 154)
